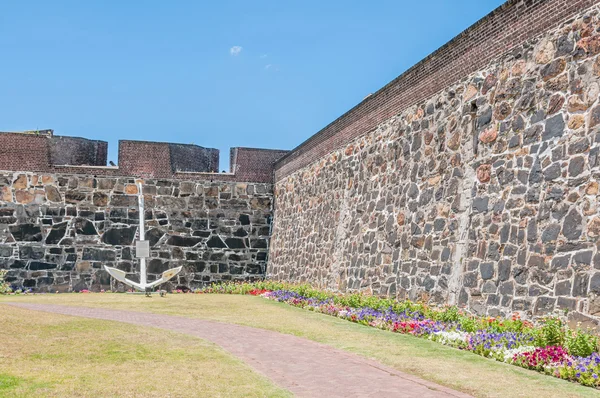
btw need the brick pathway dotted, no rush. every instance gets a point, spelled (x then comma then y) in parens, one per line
(304, 367)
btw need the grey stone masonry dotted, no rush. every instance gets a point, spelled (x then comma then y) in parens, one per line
(56, 231)
(485, 195)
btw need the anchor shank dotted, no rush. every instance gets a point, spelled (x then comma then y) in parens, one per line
(142, 260)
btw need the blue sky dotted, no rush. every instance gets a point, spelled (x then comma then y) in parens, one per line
(219, 74)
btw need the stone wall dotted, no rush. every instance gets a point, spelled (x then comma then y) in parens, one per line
(484, 194)
(57, 230)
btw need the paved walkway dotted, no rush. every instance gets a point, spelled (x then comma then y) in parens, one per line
(304, 367)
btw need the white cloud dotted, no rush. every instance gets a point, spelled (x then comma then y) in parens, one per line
(263, 56)
(235, 50)
(272, 67)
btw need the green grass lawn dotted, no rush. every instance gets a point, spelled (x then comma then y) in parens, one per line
(460, 370)
(51, 355)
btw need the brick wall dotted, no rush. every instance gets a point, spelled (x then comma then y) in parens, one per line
(37, 152)
(194, 158)
(503, 29)
(77, 151)
(24, 152)
(252, 164)
(247, 165)
(102, 153)
(145, 159)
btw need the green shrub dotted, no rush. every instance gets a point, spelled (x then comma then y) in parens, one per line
(581, 343)
(4, 286)
(551, 333)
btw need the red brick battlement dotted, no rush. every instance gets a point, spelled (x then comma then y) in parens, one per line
(41, 151)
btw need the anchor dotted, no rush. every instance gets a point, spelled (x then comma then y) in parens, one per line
(142, 249)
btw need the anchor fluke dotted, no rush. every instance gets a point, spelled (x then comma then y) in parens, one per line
(168, 274)
(117, 274)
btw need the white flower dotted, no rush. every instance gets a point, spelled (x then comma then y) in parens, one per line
(508, 355)
(449, 337)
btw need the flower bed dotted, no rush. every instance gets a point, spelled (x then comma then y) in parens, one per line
(548, 345)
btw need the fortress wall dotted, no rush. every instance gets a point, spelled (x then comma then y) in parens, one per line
(64, 214)
(58, 230)
(472, 179)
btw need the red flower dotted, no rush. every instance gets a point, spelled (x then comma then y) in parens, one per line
(257, 292)
(541, 357)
